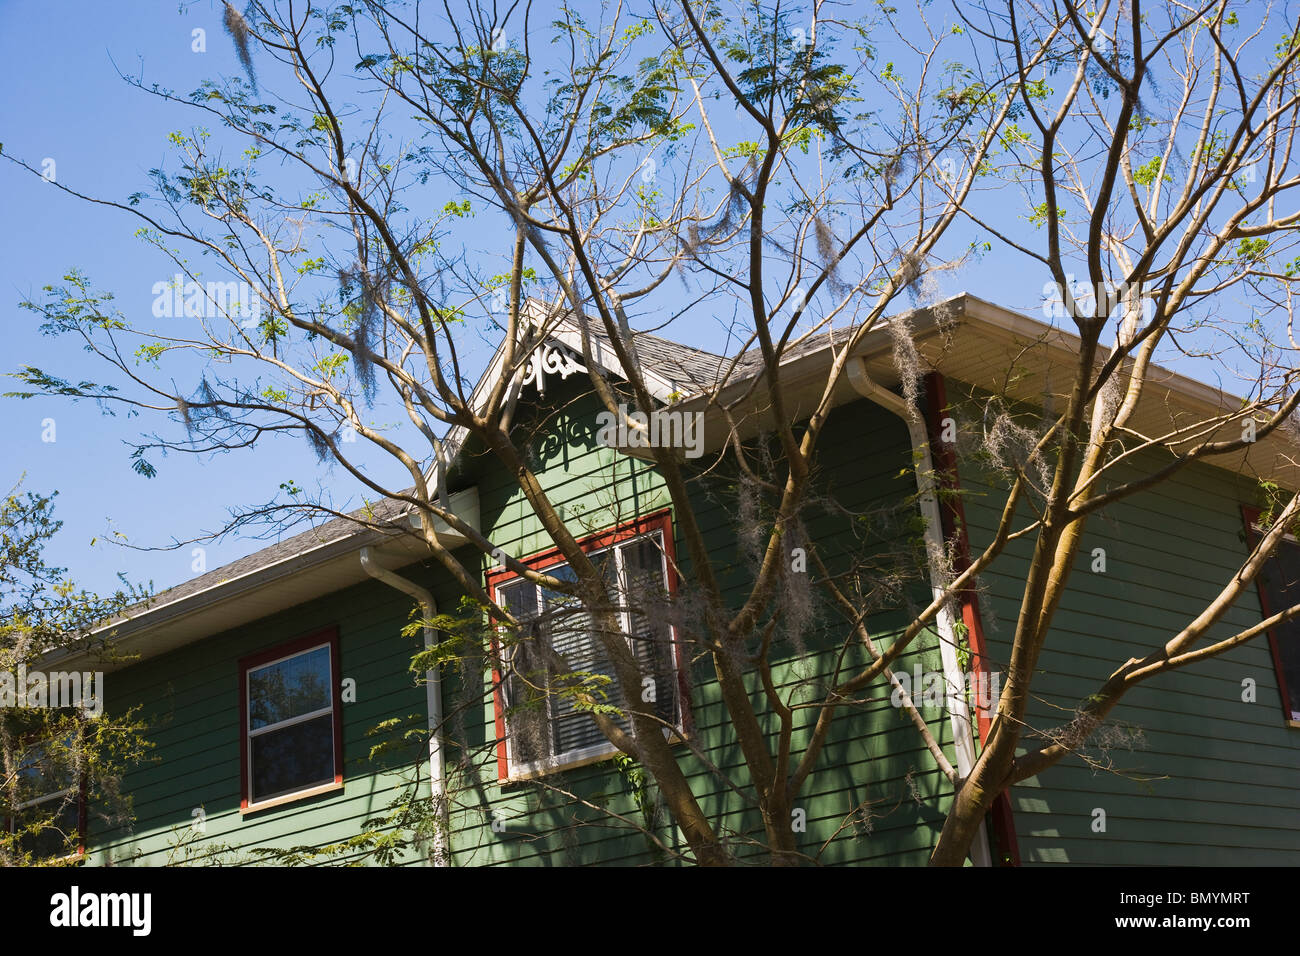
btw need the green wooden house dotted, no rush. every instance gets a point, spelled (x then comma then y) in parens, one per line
(285, 714)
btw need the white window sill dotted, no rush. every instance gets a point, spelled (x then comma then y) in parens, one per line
(582, 758)
(292, 797)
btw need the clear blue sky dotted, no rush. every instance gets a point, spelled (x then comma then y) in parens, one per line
(64, 101)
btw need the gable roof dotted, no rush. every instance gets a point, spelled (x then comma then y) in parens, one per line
(319, 561)
(1010, 355)
(965, 338)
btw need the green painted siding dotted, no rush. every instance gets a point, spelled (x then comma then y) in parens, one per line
(875, 797)
(1189, 774)
(191, 702)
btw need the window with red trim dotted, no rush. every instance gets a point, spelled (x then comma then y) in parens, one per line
(49, 812)
(555, 672)
(1278, 586)
(291, 721)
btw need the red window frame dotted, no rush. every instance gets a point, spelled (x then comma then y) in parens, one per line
(496, 577)
(953, 517)
(328, 635)
(83, 807)
(1251, 517)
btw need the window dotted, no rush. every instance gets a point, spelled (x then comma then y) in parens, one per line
(50, 802)
(1279, 588)
(1278, 584)
(292, 722)
(541, 722)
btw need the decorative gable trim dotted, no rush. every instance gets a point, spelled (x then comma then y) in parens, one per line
(550, 359)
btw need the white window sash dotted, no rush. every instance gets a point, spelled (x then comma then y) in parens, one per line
(288, 657)
(553, 761)
(291, 721)
(288, 721)
(59, 795)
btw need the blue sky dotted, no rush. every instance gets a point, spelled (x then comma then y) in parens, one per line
(65, 102)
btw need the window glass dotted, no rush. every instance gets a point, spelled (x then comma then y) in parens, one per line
(289, 688)
(580, 666)
(49, 802)
(293, 758)
(558, 667)
(291, 712)
(44, 772)
(648, 628)
(1280, 581)
(526, 700)
(57, 836)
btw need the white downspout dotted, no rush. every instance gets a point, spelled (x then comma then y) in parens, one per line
(433, 694)
(958, 712)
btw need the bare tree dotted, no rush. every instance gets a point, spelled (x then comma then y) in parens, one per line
(764, 159)
(1162, 167)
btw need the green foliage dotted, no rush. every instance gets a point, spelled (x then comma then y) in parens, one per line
(639, 784)
(331, 365)
(1253, 250)
(962, 633)
(800, 77)
(141, 465)
(49, 755)
(1038, 214)
(1146, 174)
(1272, 498)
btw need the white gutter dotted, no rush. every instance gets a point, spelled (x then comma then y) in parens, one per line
(433, 694)
(958, 712)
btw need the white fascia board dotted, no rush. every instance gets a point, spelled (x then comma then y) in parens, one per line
(464, 503)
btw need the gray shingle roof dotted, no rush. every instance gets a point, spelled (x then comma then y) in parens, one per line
(690, 368)
(694, 367)
(677, 362)
(329, 531)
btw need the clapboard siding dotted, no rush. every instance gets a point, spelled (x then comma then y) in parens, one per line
(1192, 775)
(875, 796)
(191, 704)
(874, 759)
(1197, 775)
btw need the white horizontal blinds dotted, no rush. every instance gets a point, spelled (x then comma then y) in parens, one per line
(1280, 580)
(558, 658)
(646, 599)
(582, 666)
(291, 724)
(527, 676)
